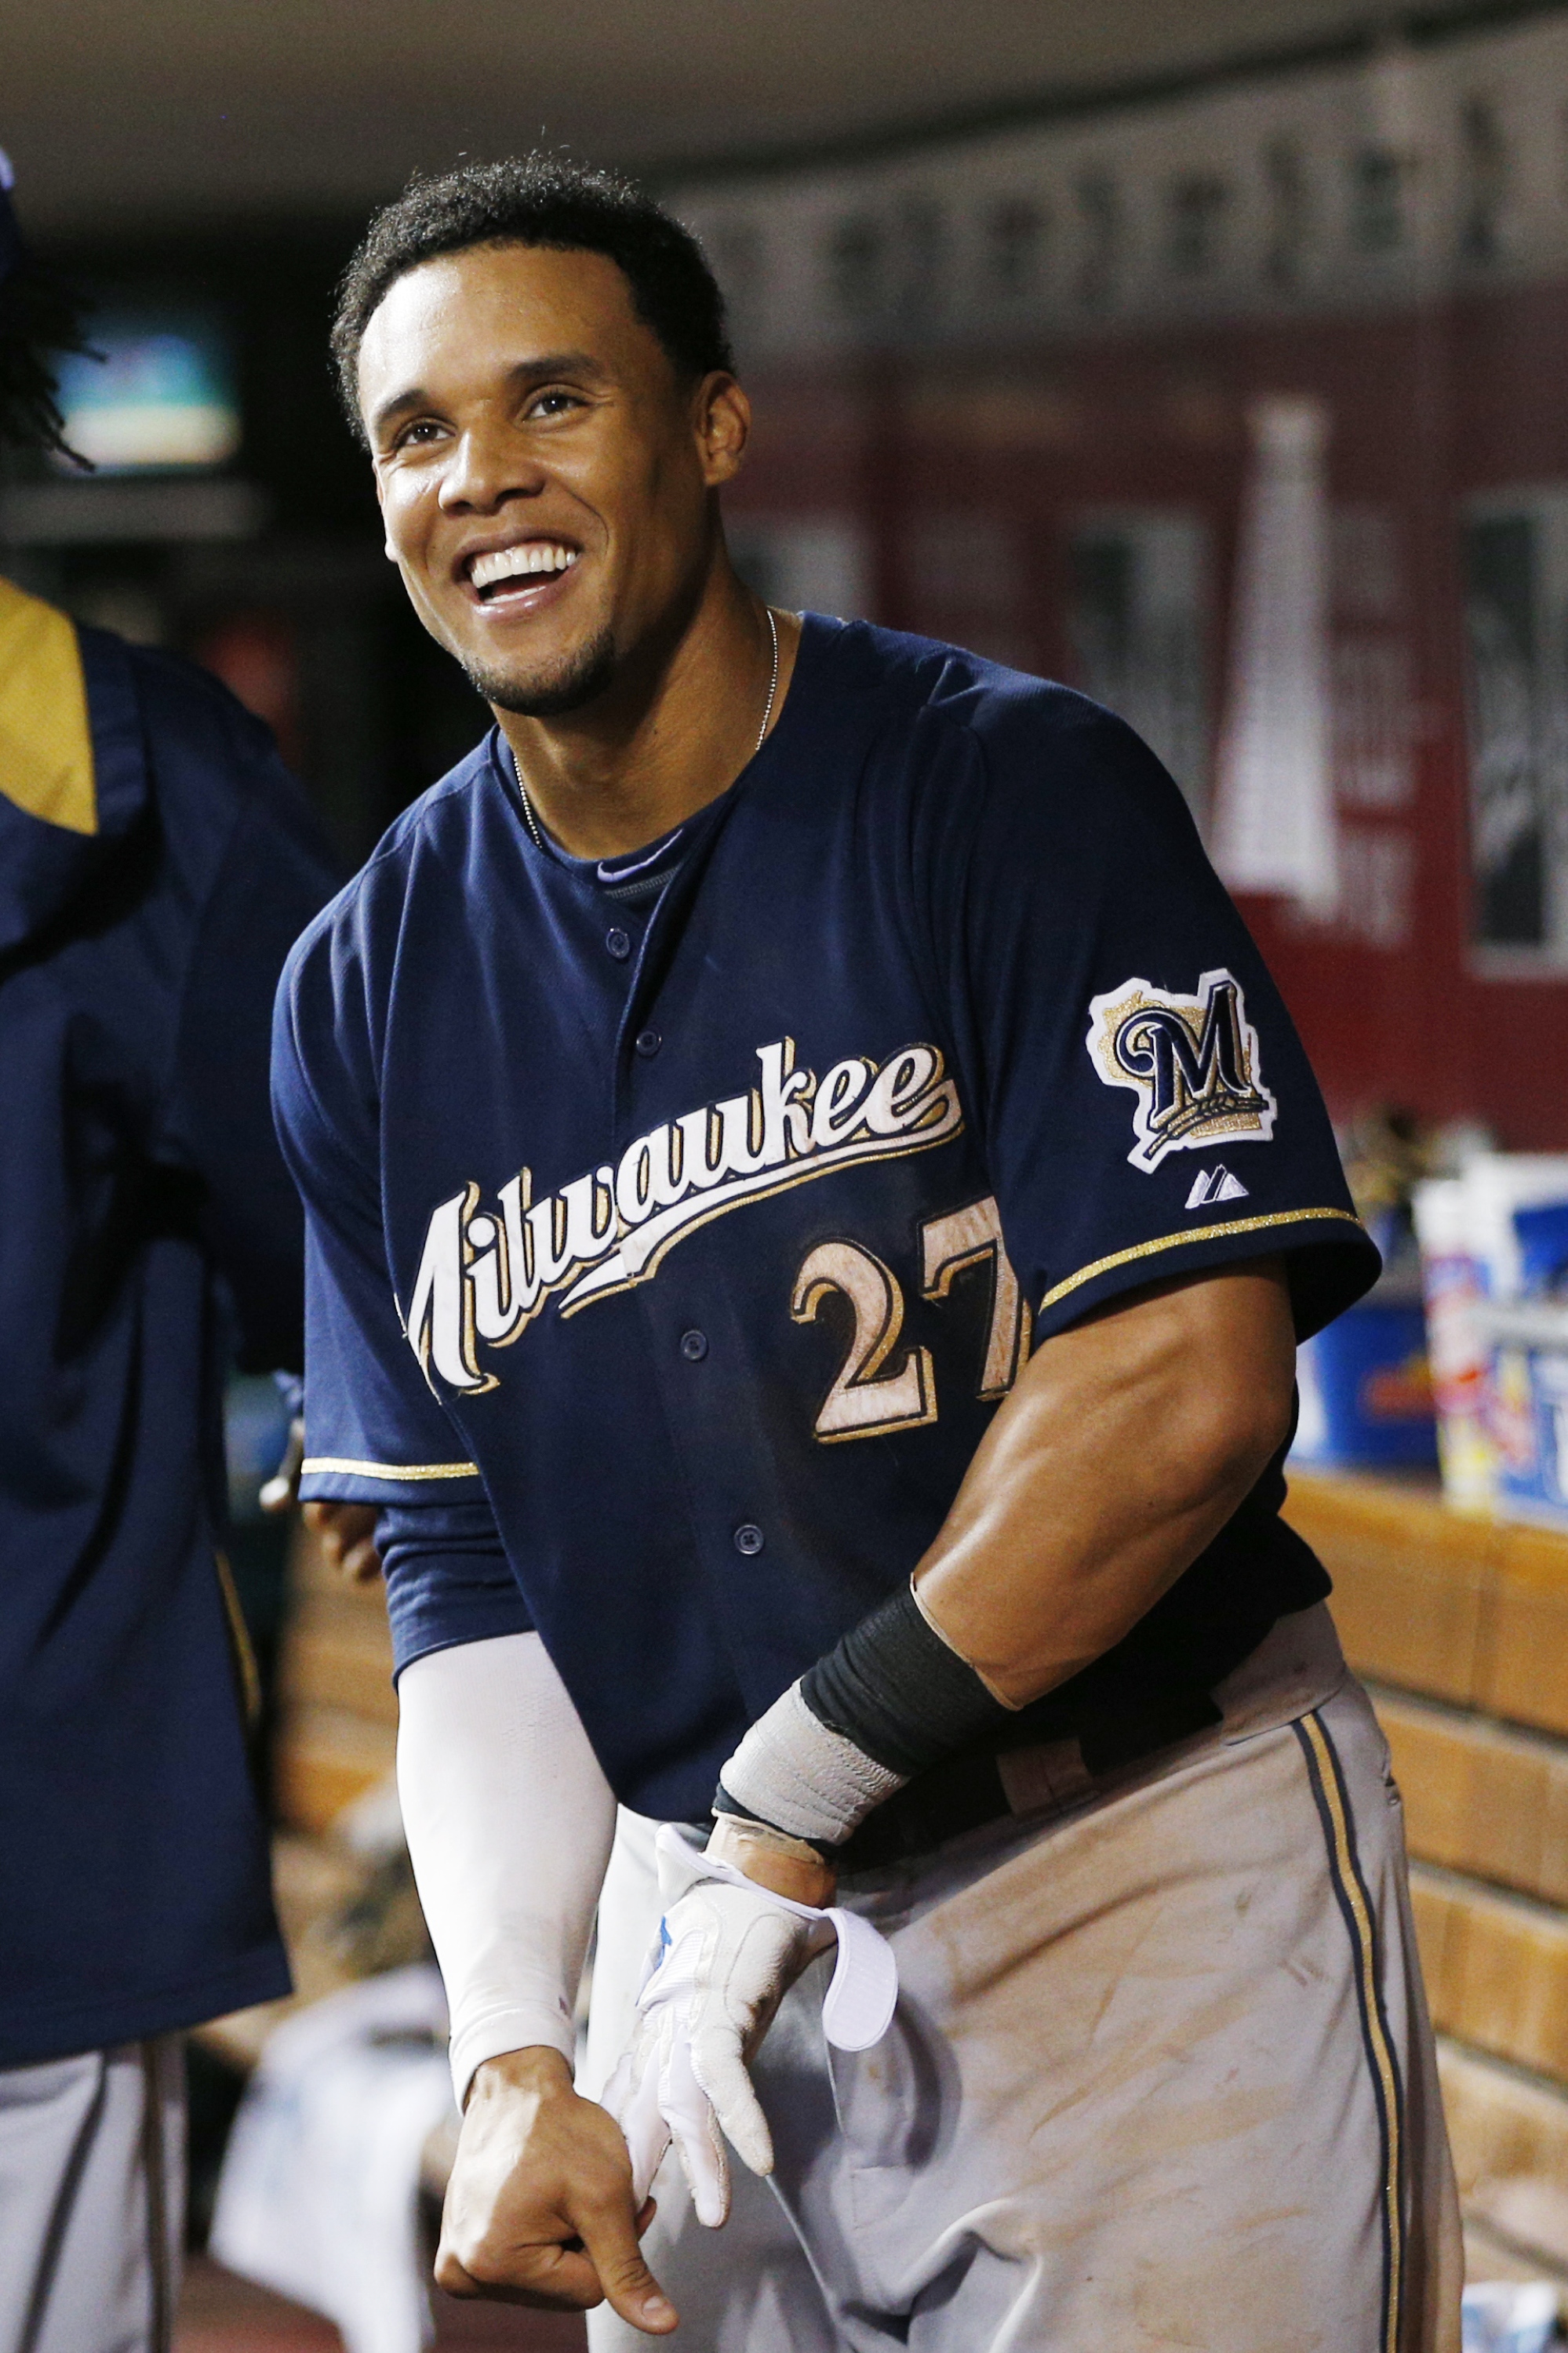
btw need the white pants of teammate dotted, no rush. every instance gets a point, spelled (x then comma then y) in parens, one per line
(93, 2200)
(1162, 2074)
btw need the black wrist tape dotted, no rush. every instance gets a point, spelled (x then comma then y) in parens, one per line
(894, 1687)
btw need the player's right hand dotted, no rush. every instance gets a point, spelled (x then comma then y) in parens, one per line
(539, 2208)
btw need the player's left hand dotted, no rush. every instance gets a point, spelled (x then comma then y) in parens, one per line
(347, 1534)
(728, 1952)
(344, 1532)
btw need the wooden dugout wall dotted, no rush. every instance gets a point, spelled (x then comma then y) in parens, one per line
(1460, 1629)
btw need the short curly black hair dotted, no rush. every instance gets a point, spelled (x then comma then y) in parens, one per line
(542, 200)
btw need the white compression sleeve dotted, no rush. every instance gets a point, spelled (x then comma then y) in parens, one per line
(509, 1822)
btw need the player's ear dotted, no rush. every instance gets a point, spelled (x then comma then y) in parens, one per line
(721, 415)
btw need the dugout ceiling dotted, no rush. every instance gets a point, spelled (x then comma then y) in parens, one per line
(176, 111)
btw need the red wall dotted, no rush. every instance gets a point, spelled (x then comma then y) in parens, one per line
(1426, 410)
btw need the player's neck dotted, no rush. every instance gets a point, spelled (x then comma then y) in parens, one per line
(662, 744)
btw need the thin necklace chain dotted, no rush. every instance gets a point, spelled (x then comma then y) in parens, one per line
(532, 822)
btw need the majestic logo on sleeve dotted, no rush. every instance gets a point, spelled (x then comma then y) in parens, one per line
(1193, 1062)
(485, 1273)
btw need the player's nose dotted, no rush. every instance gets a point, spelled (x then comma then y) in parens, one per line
(485, 468)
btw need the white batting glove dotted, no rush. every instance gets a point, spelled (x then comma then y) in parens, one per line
(728, 1952)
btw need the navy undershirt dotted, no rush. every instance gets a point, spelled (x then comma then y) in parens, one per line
(634, 878)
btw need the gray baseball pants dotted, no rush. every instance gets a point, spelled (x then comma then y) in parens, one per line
(1162, 2074)
(93, 2200)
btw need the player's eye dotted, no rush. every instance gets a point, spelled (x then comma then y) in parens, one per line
(554, 403)
(418, 434)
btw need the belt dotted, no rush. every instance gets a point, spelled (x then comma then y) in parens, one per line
(938, 1805)
(968, 1791)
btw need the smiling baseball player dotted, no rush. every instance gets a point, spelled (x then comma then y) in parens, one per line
(813, 1197)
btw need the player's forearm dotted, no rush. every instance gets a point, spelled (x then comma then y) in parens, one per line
(1127, 1445)
(509, 1820)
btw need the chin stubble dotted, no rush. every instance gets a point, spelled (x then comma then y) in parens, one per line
(574, 681)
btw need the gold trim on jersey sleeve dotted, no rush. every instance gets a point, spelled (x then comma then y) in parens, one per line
(1194, 1234)
(392, 1470)
(46, 737)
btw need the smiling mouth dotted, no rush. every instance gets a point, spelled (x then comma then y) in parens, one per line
(505, 570)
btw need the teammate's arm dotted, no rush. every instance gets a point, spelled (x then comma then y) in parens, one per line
(509, 1822)
(276, 873)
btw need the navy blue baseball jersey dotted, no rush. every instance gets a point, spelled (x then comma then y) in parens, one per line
(156, 864)
(676, 1226)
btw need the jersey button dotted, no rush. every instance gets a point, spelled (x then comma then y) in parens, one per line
(694, 1346)
(748, 1539)
(618, 943)
(647, 1041)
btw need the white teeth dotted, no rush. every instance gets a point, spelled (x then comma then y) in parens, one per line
(531, 556)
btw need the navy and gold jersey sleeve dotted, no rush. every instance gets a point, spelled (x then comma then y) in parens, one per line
(447, 1579)
(1147, 1106)
(374, 1430)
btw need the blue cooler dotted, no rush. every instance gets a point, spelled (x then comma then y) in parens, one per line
(1365, 1382)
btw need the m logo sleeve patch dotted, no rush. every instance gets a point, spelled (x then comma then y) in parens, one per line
(1193, 1062)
